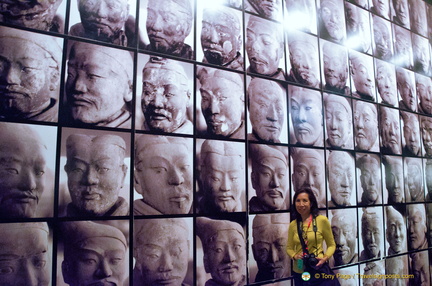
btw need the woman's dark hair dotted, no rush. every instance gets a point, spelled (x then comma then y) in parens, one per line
(314, 204)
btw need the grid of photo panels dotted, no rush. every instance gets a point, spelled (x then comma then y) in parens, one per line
(160, 142)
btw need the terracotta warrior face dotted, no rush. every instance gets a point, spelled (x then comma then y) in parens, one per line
(370, 180)
(96, 91)
(22, 171)
(35, 14)
(396, 232)
(395, 181)
(338, 123)
(163, 175)
(306, 116)
(341, 177)
(28, 77)
(386, 83)
(332, 16)
(264, 46)
(103, 19)
(222, 105)
(271, 182)
(390, 130)
(268, 249)
(165, 97)
(268, 8)
(96, 174)
(226, 271)
(168, 24)
(365, 125)
(309, 173)
(402, 12)
(222, 181)
(30, 244)
(162, 253)
(371, 234)
(220, 36)
(345, 234)
(266, 109)
(363, 78)
(107, 259)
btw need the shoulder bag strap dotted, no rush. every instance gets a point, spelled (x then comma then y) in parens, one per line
(299, 230)
(315, 229)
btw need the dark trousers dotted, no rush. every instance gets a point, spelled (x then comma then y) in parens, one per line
(298, 281)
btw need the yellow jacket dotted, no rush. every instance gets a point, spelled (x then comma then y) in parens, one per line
(324, 232)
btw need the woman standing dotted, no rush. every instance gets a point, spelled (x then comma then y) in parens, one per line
(314, 229)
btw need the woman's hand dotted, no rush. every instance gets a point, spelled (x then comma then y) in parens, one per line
(321, 261)
(298, 256)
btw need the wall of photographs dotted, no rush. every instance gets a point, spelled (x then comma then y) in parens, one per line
(161, 141)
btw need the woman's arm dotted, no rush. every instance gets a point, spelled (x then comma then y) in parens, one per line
(329, 239)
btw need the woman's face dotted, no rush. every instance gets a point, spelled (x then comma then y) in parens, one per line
(303, 204)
